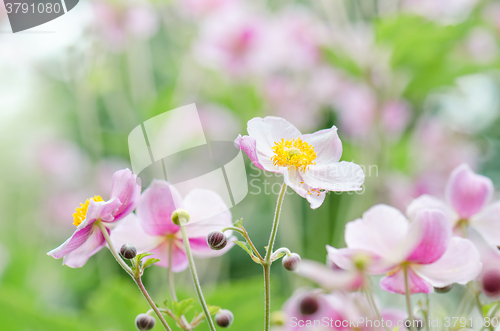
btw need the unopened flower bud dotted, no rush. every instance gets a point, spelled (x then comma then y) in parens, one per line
(278, 318)
(224, 318)
(178, 215)
(445, 289)
(128, 251)
(309, 305)
(491, 283)
(216, 240)
(144, 322)
(291, 262)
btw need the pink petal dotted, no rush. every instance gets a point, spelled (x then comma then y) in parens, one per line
(487, 223)
(127, 190)
(102, 210)
(329, 279)
(459, 264)
(437, 233)
(394, 315)
(340, 177)
(327, 145)
(179, 257)
(201, 249)
(129, 230)
(468, 192)
(155, 208)
(344, 258)
(207, 212)
(429, 202)
(395, 283)
(76, 240)
(78, 257)
(383, 231)
(248, 145)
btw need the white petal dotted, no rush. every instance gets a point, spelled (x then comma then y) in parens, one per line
(129, 230)
(487, 223)
(342, 176)
(429, 202)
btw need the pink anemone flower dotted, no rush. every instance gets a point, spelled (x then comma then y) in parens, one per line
(153, 230)
(424, 248)
(468, 196)
(88, 239)
(309, 163)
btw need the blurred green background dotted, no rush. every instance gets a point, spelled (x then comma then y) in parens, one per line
(412, 85)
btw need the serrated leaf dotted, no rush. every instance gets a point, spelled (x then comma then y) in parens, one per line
(239, 223)
(182, 307)
(149, 262)
(245, 246)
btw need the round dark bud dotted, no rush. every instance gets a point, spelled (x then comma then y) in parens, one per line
(216, 240)
(128, 251)
(224, 318)
(291, 262)
(445, 289)
(144, 322)
(309, 305)
(491, 283)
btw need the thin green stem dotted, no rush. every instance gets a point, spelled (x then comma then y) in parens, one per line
(195, 276)
(267, 260)
(244, 233)
(233, 228)
(135, 276)
(267, 286)
(408, 299)
(171, 285)
(371, 300)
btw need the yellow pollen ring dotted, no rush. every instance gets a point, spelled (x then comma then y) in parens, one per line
(293, 153)
(81, 212)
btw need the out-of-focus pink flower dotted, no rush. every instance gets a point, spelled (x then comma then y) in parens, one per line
(231, 39)
(309, 163)
(88, 238)
(62, 161)
(425, 248)
(395, 116)
(307, 309)
(219, 123)
(481, 44)
(117, 23)
(153, 230)
(468, 197)
(200, 8)
(331, 278)
(490, 257)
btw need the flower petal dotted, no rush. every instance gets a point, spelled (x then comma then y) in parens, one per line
(129, 230)
(155, 208)
(179, 257)
(327, 145)
(249, 146)
(395, 283)
(429, 202)
(345, 259)
(267, 131)
(78, 257)
(201, 249)
(487, 223)
(459, 264)
(437, 233)
(102, 210)
(293, 179)
(383, 231)
(127, 190)
(340, 177)
(329, 279)
(76, 240)
(468, 192)
(207, 212)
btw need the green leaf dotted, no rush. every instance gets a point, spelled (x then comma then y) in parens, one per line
(239, 223)
(280, 255)
(245, 246)
(182, 307)
(149, 262)
(213, 309)
(139, 257)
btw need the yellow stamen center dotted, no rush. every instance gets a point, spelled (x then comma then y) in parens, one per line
(293, 153)
(81, 212)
